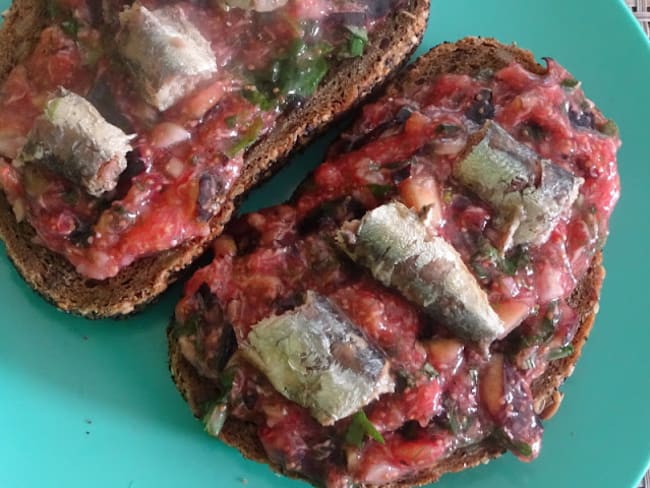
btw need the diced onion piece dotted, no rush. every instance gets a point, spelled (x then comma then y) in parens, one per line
(491, 386)
(420, 194)
(512, 312)
(174, 167)
(167, 134)
(444, 353)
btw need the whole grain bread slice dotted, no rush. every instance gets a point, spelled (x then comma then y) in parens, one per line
(467, 56)
(54, 278)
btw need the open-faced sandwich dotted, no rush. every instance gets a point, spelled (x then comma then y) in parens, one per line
(128, 129)
(415, 307)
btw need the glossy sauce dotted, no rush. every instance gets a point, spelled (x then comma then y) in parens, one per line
(186, 159)
(450, 394)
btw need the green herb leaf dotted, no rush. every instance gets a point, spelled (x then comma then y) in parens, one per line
(70, 27)
(447, 130)
(529, 362)
(518, 447)
(518, 259)
(358, 31)
(261, 99)
(609, 128)
(70, 196)
(522, 448)
(356, 46)
(430, 371)
(296, 73)
(231, 121)
(356, 42)
(380, 191)
(569, 83)
(215, 418)
(247, 139)
(560, 352)
(360, 428)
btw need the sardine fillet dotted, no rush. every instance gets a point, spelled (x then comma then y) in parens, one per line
(394, 245)
(316, 357)
(73, 139)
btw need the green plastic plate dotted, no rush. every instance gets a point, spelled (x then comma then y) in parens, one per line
(91, 403)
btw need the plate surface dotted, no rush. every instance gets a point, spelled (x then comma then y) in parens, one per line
(91, 403)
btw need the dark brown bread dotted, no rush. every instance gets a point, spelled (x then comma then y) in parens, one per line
(54, 278)
(466, 56)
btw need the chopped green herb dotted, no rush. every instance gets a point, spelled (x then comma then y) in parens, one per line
(356, 42)
(569, 83)
(380, 191)
(356, 46)
(215, 418)
(609, 128)
(296, 73)
(560, 352)
(70, 197)
(51, 107)
(529, 362)
(430, 371)
(231, 121)
(518, 447)
(360, 428)
(454, 423)
(217, 411)
(247, 138)
(357, 31)
(70, 27)
(545, 328)
(519, 259)
(447, 130)
(261, 99)
(522, 448)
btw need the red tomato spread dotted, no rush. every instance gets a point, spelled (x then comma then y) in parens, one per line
(449, 393)
(186, 157)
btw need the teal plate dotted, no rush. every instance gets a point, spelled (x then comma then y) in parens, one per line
(91, 403)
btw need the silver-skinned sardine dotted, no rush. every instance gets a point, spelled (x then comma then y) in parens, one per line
(73, 139)
(529, 193)
(316, 357)
(394, 245)
(166, 52)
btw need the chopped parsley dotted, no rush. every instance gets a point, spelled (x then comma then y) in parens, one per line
(295, 74)
(430, 371)
(569, 83)
(70, 27)
(217, 411)
(380, 191)
(357, 40)
(247, 139)
(560, 352)
(360, 428)
(447, 130)
(609, 128)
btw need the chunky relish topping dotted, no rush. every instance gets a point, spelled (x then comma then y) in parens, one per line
(343, 239)
(190, 85)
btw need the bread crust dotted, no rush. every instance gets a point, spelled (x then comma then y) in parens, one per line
(52, 276)
(464, 57)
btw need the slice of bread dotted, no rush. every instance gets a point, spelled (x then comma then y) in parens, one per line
(345, 86)
(464, 57)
